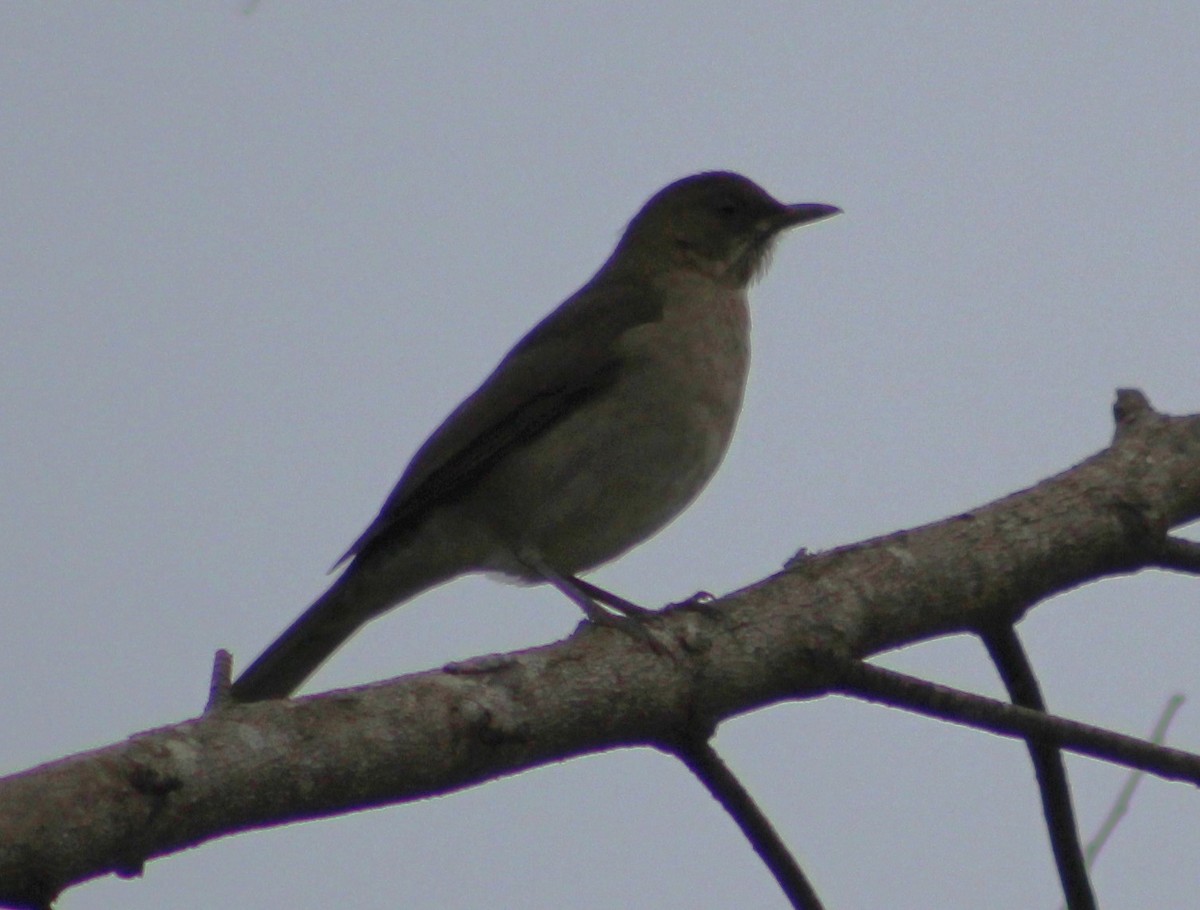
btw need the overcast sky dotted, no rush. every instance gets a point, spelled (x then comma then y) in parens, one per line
(250, 261)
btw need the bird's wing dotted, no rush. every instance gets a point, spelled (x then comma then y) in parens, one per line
(567, 358)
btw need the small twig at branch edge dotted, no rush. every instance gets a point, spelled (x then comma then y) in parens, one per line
(221, 680)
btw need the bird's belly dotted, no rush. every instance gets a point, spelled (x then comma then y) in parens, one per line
(620, 468)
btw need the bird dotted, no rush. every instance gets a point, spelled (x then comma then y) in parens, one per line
(595, 431)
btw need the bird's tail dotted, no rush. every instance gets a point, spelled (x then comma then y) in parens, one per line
(337, 614)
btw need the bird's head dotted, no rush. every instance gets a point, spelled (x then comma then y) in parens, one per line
(717, 222)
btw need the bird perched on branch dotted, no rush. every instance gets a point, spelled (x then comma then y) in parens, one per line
(596, 429)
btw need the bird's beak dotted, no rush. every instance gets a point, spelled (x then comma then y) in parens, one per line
(805, 212)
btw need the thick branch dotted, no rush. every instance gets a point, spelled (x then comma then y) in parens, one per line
(251, 766)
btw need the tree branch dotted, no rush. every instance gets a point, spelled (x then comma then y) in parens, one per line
(248, 766)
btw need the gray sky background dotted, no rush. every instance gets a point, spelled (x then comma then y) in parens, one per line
(249, 262)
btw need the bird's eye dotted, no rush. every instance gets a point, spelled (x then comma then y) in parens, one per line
(727, 209)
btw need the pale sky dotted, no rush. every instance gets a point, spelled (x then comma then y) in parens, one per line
(250, 261)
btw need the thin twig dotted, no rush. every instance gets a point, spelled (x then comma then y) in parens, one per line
(1013, 664)
(704, 762)
(1121, 804)
(871, 683)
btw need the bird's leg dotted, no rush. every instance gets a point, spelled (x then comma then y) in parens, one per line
(618, 603)
(581, 594)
